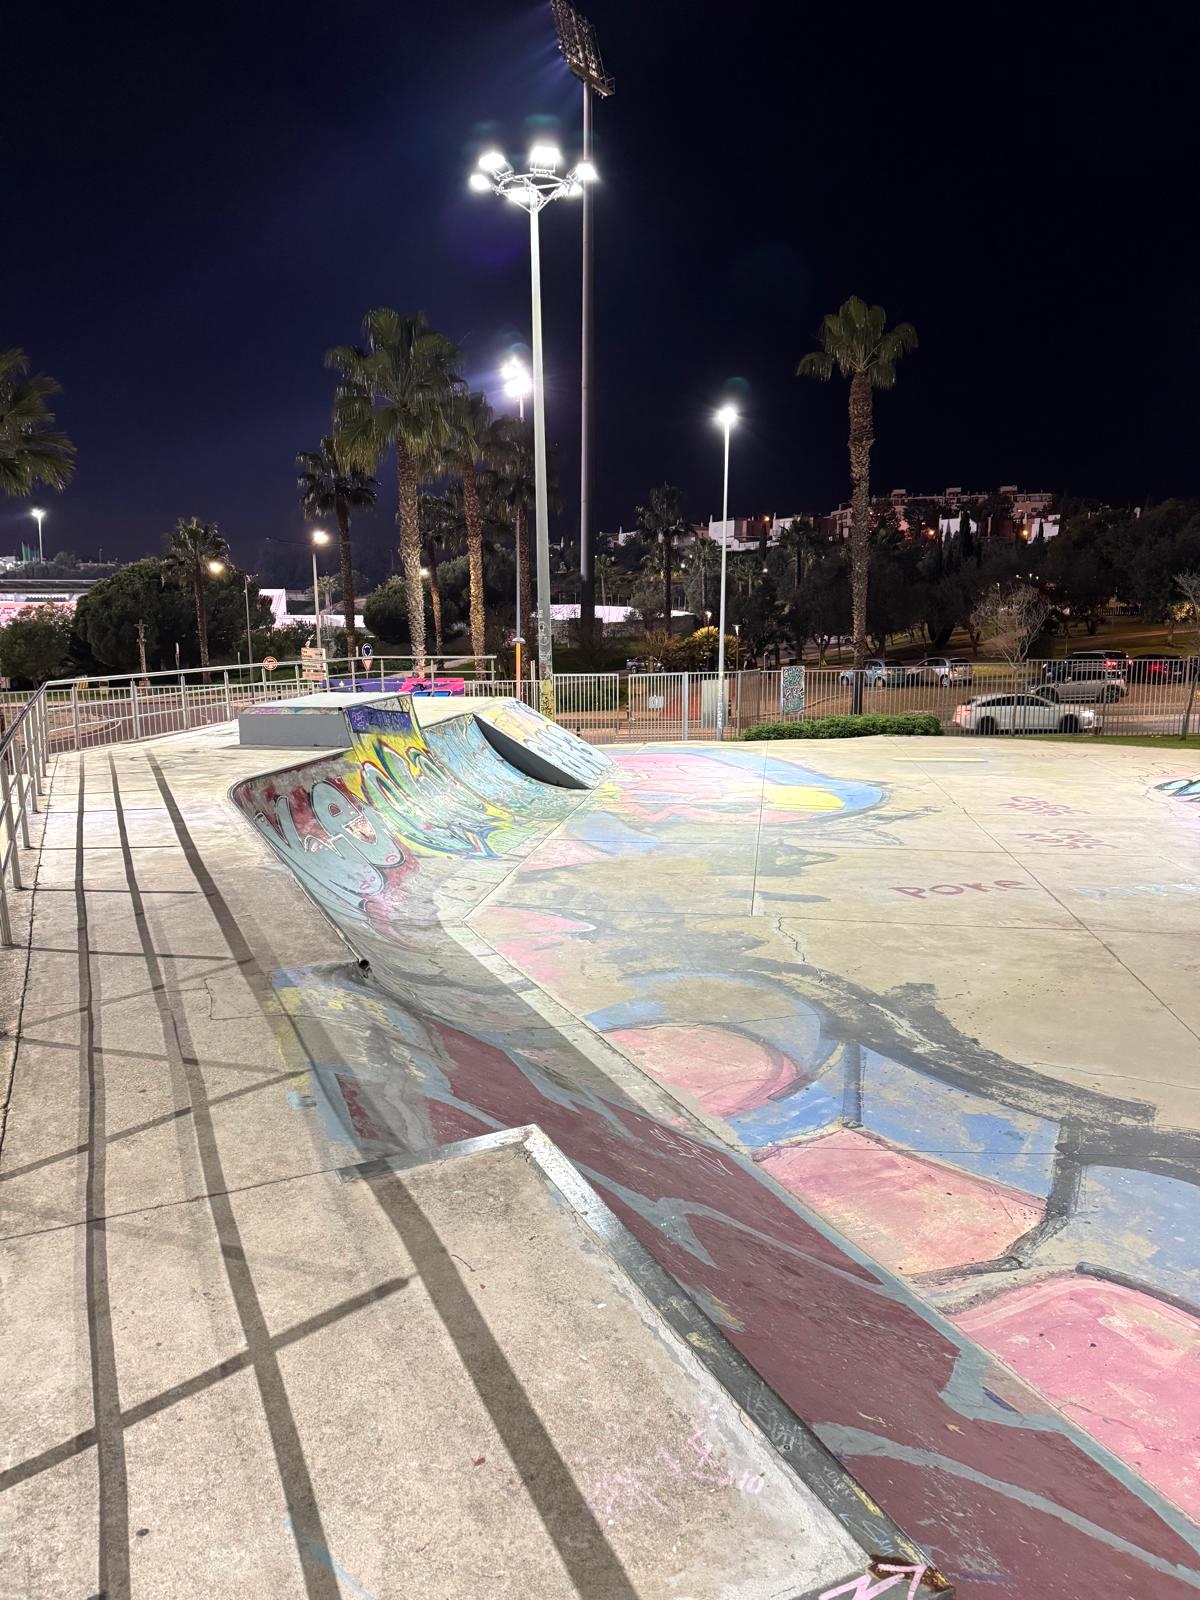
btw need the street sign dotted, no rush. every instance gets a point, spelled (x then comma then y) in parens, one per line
(367, 652)
(312, 659)
(270, 663)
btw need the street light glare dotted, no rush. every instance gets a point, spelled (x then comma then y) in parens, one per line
(518, 194)
(547, 156)
(38, 512)
(726, 417)
(492, 161)
(215, 567)
(586, 172)
(480, 182)
(319, 536)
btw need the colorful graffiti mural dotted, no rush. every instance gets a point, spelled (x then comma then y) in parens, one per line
(889, 1219)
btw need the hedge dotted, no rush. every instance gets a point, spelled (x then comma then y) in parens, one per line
(922, 722)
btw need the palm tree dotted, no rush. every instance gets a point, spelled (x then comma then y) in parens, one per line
(31, 452)
(663, 521)
(439, 526)
(193, 549)
(397, 389)
(856, 342)
(515, 491)
(327, 486)
(478, 440)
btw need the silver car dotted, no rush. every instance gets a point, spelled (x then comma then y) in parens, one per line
(1085, 680)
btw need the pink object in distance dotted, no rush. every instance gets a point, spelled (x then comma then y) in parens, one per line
(1121, 1364)
(725, 1072)
(909, 1214)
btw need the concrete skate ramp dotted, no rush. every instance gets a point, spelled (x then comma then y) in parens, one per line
(417, 846)
(396, 840)
(305, 722)
(540, 748)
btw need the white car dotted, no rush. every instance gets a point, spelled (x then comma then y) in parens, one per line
(1022, 713)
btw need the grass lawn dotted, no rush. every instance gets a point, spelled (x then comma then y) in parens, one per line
(1153, 741)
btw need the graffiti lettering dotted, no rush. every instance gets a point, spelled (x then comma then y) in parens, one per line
(1030, 803)
(1068, 838)
(957, 888)
(865, 1588)
(1128, 891)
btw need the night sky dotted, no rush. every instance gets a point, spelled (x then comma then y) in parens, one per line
(199, 201)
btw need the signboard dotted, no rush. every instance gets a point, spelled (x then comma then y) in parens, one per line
(312, 663)
(366, 653)
(270, 663)
(791, 693)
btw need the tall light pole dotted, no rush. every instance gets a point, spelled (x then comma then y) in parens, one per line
(532, 191)
(39, 516)
(577, 42)
(517, 385)
(319, 537)
(249, 642)
(725, 419)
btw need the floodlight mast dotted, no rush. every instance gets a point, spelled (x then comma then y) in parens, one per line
(532, 190)
(577, 42)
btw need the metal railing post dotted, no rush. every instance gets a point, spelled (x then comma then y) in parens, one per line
(184, 702)
(228, 700)
(30, 732)
(10, 826)
(135, 709)
(75, 715)
(687, 689)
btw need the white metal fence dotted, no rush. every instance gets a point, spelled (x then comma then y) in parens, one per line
(609, 707)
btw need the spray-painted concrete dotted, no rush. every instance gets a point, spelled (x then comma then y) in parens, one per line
(886, 1051)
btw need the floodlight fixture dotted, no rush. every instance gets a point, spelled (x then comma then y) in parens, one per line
(319, 536)
(493, 161)
(726, 417)
(480, 182)
(577, 42)
(586, 172)
(545, 158)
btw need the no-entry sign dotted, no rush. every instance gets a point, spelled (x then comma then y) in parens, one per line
(270, 663)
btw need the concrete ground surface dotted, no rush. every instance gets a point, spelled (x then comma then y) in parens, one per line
(886, 1050)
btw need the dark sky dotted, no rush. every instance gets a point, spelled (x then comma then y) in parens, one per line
(198, 201)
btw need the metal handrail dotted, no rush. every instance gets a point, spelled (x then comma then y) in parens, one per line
(23, 767)
(352, 666)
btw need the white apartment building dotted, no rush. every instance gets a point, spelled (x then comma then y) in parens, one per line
(746, 533)
(1028, 505)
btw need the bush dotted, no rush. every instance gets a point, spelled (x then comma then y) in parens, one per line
(903, 722)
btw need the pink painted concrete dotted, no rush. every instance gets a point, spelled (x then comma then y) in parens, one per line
(910, 1214)
(1121, 1364)
(723, 1071)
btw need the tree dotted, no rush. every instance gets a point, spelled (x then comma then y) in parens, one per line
(386, 612)
(1009, 620)
(856, 342)
(326, 486)
(107, 616)
(194, 549)
(36, 645)
(476, 441)
(396, 392)
(662, 522)
(31, 451)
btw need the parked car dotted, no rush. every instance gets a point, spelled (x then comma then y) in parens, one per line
(1087, 680)
(1022, 713)
(941, 670)
(878, 673)
(1161, 667)
(1109, 660)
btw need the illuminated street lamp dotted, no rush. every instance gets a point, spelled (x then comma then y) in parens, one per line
(39, 516)
(216, 568)
(518, 386)
(531, 191)
(725, 419)
(318, 537)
